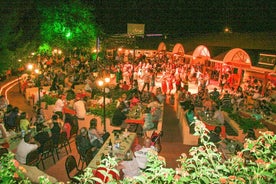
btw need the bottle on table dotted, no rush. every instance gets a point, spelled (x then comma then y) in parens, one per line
(110, 145)
(117, 141)
(128, 154)
(110, 148)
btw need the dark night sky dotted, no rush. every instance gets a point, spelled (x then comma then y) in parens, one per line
(186, 16)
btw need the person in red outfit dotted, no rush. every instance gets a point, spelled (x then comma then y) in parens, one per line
(164, 86)
(124, 86)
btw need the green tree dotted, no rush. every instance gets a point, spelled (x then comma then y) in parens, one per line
(68, 25)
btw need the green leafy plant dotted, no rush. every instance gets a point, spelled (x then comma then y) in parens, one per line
(155, 172)
(98, 110)
(110, 108)
(255, 163)
(109, 163)
(11, 171)
(205, 164)
(49, 99)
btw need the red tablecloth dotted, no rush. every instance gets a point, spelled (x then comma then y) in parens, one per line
(67, 110)
(212, 127)
(135, 121)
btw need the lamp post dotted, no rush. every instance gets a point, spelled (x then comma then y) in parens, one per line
(39, 86)
(18, 78)
(103, 83)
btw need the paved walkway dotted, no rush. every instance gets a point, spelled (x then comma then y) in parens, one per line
(172, 145)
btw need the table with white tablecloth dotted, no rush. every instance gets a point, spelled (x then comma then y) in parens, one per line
(126, 139)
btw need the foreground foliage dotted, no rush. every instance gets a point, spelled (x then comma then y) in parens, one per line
(255, 163)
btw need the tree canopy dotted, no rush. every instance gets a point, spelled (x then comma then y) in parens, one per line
(68, 25)
(29, 24)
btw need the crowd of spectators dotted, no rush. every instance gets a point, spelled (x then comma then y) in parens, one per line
(173, 75)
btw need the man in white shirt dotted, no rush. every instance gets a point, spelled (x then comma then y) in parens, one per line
(133, 168)
(146, 77)
(79, 107)
(25, 146)
(59, 105)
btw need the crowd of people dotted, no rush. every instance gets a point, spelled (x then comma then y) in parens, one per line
(141, 78)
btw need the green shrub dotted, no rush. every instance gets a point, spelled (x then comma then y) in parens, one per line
(49, 99)
(98, 110)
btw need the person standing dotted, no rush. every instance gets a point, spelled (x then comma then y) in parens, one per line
(146, 78)
(135, 79)
(164, 86)
(152, 81)
(119, 76)
(170, 80)
(223, 82)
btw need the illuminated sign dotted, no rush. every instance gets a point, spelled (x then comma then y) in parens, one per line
(136, 29)
(267, 60)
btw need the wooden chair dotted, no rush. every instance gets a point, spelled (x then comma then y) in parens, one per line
(48, 151)
(71, 166)
(33, 158)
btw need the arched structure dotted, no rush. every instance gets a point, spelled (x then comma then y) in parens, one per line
(178, 49)
(161, 47)
(201, 51)
(201, 55)
(237, 58)
(235, 61)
